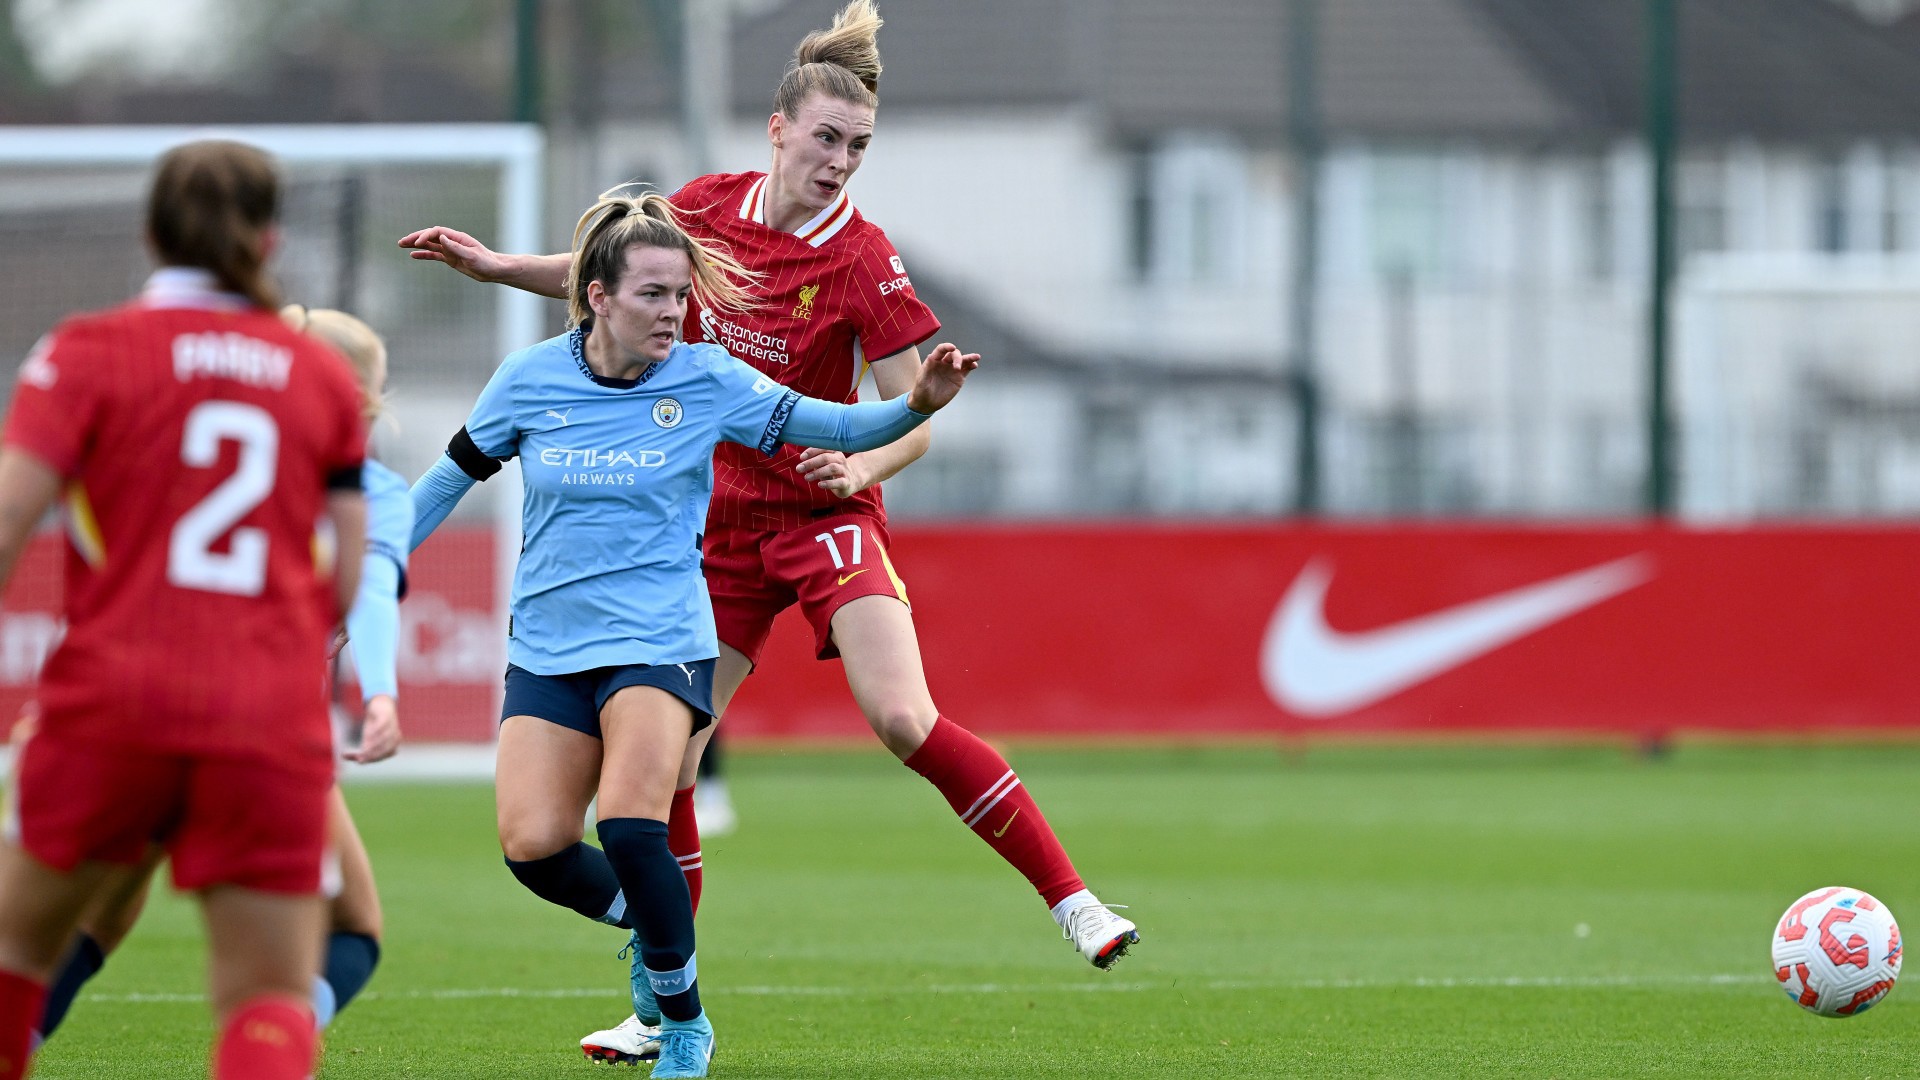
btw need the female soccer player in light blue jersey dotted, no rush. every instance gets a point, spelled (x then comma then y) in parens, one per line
(611, 646)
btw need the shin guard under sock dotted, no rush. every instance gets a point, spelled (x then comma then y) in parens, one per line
(662, 913)
(267, 1038)
(982, 788)
(577, 877)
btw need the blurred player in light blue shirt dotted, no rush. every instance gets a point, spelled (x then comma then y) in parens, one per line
(611, 648)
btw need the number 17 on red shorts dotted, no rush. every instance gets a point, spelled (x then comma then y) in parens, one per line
(753, 575)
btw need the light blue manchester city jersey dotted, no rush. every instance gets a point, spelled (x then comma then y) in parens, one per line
(618, 475)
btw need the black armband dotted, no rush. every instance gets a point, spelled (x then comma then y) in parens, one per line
(777, 423)
(344, 479)
(471, 459)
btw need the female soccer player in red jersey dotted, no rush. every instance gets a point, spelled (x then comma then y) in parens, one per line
(198, 440)
(808, 527)
(353, 907)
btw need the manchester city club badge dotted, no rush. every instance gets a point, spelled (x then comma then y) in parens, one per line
(667, 412)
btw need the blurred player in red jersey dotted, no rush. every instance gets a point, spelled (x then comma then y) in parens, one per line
(198, 441)
(808, 527)
(353, 909)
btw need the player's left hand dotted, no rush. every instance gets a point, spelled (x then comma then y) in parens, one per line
(941, 376)
(840, 475)
(379, 732)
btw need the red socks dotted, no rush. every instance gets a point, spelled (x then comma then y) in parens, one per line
(267, 1038)
(21, 1000)
(683, 839)
(982, 788)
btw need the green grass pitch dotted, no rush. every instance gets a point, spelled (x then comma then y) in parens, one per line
(1346, 912)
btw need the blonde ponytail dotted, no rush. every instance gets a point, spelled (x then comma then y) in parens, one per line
(617, 222)
(353, 339)
(842, 61)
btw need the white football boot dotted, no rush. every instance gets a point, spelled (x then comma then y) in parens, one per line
(627, 1043)
(712, 809)
(1100, 935)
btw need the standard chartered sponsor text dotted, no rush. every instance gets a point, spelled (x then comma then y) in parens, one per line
(743, 342)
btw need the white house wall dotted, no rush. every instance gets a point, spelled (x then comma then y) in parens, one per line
(1526, 371)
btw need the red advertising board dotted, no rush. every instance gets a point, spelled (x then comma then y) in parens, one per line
(1200, 630)
(1195, 631)
(451, 648)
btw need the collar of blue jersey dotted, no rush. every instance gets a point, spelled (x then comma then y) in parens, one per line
(189, 287)
(577, 341)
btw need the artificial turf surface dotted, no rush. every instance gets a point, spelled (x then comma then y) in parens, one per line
(1368, 911)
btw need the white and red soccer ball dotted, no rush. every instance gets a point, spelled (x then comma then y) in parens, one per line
(1836, 951)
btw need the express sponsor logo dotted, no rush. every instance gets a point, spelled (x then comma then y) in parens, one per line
(899, 284)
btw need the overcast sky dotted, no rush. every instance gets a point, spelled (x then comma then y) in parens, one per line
(175, 39)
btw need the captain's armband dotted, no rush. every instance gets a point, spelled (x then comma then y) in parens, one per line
(472, 460)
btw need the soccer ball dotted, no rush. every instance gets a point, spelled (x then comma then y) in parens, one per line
(1836, 951)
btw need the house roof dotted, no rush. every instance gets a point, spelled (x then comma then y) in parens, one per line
(1526, 69)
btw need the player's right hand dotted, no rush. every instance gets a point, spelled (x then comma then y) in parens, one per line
(458, 250)
(379, 732)
(941, 376)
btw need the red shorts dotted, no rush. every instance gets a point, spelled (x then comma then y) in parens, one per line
(223, 821)
(754, 574)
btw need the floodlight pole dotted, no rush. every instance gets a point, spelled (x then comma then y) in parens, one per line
(1304, 139)
(526, 61)
(705, 32)
(1662, 32)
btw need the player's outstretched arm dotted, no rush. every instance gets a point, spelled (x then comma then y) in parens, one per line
(941, 377)
(435, 494)
(846, 475)
(865, 425)
(28, 487)
(543, 274)
(374, 629)
(348, 512)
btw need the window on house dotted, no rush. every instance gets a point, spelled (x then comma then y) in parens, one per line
(1187, 203)
(1700, 209)
(1139, 211)
(1407, 209)
(1896, 207)
(1830, 206)
(1598, 258)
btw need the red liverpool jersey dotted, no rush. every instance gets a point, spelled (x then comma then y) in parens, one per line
(199, 437)
(835, 295)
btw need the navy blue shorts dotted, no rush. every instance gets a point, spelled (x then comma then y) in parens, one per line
(574, 701)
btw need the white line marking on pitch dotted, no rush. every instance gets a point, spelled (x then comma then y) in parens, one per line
(1546, 982)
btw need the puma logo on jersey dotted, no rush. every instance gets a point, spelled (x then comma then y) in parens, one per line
(805, 308)
(561, 416)
(687, 671)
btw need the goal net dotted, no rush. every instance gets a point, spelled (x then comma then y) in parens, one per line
(71, 207)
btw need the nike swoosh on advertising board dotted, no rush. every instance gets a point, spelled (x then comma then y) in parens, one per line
(1313, 670)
